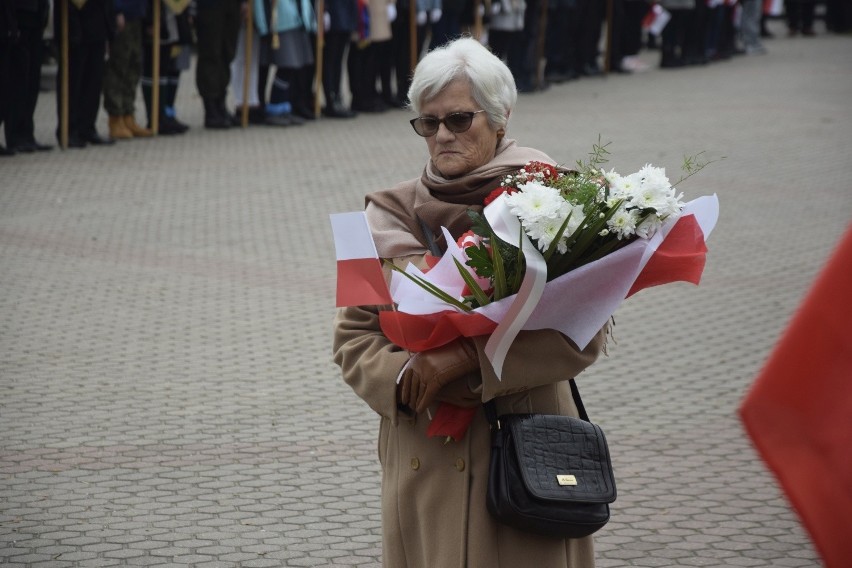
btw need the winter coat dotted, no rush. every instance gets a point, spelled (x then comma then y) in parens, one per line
(433, 493)
(343, 15)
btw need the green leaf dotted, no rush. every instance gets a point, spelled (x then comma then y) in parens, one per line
(480, 296)
(499, 280)
(429, 287)
(555, 242)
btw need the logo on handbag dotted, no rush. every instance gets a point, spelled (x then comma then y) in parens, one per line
(566, 480)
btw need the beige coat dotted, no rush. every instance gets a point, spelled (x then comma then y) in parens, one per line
(433, 493)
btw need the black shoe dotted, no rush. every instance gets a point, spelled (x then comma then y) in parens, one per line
(304, 112)
(374, 106)
(214, 117)
(97, 140)
(75, 141)
(169, 127)
(256, 115)
(284, 119)
(337, 110)
(394, 102)
(24, 147)
(217, 122)
(591, 70)
(179, 126)
(32, 146)
(671, 63)
(4, 151)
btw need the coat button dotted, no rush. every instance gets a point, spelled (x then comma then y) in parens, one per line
(460, 464)
(415, 464)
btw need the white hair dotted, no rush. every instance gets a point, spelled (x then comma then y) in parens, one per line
(491, 83)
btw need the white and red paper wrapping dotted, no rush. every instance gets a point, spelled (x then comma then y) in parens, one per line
(577, 304)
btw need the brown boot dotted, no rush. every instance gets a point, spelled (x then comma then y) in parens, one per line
(117, 129)
(135, 129)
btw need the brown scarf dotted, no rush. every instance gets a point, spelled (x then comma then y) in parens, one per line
(395, 215)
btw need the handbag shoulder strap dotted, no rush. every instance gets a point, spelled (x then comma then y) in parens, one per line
(491, 408)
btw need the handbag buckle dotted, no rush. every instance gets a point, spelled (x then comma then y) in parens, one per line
(565, 480)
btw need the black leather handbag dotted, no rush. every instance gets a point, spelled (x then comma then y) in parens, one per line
(549, 474)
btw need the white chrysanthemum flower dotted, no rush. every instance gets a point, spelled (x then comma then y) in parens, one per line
(623, 222)
(611, 176)
(535, 202)
(544, 231)
(648, 228)
(651, 176)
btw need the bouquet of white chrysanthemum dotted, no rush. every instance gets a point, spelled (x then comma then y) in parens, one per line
(554, 249)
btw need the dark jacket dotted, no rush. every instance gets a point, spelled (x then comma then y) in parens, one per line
(132, 9)
(343, 15)
(94, 22)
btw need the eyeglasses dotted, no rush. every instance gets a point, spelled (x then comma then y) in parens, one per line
(456, 122)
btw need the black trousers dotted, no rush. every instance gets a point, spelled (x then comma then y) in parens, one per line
(334, 51)
(401, 28)
(21, 82)
(217, 28)
(85, 82)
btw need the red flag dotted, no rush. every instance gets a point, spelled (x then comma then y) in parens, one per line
(798, 412)
(360, 280)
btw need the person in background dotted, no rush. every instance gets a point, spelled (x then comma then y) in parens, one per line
(123, 68)
(433, 499)
(590, 18)
(752, 12)
(341, 21)
(506, 36)
(368, 51)
(800, 17)
(631, 34)
(217, 25)
(673, 39)
(174, 38)
(90, 28)
(426, 11)
(22, 24)
(285, 26)
(561, 29)
(256, 110)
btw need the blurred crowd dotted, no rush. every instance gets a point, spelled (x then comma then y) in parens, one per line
(263, 55)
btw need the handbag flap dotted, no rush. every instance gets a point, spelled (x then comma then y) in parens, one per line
(562, 457)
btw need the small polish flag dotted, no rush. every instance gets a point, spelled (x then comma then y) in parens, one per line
(360, 280)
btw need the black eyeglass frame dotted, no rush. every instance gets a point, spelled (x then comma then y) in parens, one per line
(469, 115)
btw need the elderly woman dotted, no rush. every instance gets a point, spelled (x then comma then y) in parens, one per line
(434, 513)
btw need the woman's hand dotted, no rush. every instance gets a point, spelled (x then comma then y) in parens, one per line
(431, 370)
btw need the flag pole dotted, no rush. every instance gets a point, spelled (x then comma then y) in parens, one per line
(609, 27)
(319, 58)
(539, 50)
(477, 20)
(412, 36)
(64, 78)
(155, 70)
(249, 39)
